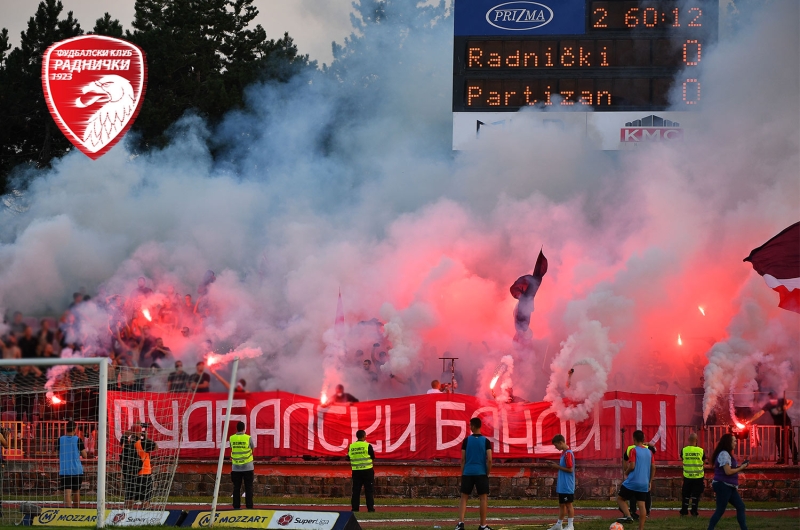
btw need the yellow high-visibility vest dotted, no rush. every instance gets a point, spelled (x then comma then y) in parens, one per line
(241, 452)
(692, 457)
(359, 456)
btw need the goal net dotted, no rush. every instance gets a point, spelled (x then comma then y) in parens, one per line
(91, 435)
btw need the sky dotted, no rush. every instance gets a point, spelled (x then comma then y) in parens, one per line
(313, 24)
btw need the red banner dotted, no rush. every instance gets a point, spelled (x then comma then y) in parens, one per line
(412, 428)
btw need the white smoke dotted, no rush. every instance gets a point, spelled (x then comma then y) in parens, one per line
(346, 178)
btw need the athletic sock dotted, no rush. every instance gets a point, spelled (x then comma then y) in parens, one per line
(569, 521)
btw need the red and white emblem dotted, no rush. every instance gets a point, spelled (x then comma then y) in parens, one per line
(94, 86)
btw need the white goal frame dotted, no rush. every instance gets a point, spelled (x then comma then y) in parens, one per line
(102, 415)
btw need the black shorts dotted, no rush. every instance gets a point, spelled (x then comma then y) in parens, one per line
(138, 488)
(71, 482)
(638, 496)
(566, 498)
(478, 482)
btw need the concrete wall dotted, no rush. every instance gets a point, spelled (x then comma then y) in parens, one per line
(508, 481)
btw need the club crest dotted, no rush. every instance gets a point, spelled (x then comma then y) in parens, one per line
(94, 87)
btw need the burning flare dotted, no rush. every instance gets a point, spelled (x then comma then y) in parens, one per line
(211, 359)
(55, 400)
(680, 340)
(494, 381)
(146, 313)
(702, 311)
(323, 398)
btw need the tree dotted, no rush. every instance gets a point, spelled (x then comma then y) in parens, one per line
(108, 26)
(4, 47)
(201, 55)
(29, 135)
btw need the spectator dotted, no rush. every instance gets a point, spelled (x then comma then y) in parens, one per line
(11, 350)
(27, 379)
(241, 384)
(159, 351)
(77, 298)
(167, 315)
(777, 409)
(200, 381)
(70, 470)
(178, 380)
(342, 397)
(142, 290)
(367, 364)
(45, 336)
(49, 352)
(435, 387)
(17, 325)
(154, 381)
(185, 331)
(27, 343)
(187, 310)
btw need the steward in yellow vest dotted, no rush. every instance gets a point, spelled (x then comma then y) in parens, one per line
(242, 467)
(361, 455)
(693, 481)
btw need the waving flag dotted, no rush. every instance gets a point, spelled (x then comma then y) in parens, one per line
(524, 289)
(778, 261)
(338, 323)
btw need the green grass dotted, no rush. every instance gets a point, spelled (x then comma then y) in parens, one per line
(727, 523)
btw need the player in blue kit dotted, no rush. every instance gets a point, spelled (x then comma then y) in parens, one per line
(476, 463)
(565, 484)
(640, 469)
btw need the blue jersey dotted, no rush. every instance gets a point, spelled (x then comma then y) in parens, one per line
(475, 462)
(639, 478)
(566, 481)
(69, 455)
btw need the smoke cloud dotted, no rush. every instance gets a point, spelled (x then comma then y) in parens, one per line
(347, 179)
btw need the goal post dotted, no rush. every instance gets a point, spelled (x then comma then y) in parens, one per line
(102, 413)
(128, 419)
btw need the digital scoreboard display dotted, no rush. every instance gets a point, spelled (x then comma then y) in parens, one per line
(609, 55)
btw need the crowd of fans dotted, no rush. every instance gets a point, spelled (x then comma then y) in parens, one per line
(139, 328)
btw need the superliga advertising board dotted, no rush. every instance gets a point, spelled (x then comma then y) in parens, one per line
(624, 71)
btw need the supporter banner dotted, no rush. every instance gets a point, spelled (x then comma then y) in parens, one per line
(411, 428)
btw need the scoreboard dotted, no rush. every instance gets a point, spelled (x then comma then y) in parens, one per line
(581, 55)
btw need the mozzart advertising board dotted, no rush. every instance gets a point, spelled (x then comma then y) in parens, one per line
(563, 59)
(274, 519)
(412, 428)
(81, 517)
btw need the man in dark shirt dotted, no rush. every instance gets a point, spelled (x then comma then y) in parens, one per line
(200, 381)
(26, 380)
(777, 409)
(177, 380)
(28, 343)
(343, 397)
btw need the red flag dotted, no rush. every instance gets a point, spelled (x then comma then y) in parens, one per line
(338, 324)
(778, 261)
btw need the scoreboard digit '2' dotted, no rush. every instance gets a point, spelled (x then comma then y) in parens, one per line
(611, 56)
